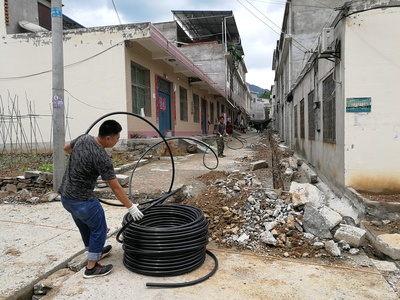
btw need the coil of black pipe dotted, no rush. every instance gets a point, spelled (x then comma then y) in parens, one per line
(171, 240)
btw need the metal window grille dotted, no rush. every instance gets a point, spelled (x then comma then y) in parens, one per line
(6, 13)
(302, 131)
(196, 108)
(140, 83)
(311, 116)
(212, 113)
(183, 104)
(329, 110)
(296, 135)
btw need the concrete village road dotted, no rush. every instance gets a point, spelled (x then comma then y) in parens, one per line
(38, 241)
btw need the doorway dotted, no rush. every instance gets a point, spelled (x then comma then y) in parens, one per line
(204, 123)
(164, 106)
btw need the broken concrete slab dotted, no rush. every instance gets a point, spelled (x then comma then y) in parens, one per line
(387, 244)
(32, 174)
(385, 266)
(122, 179)
(260, 164)
(303, 193)
(315, 223)
(354, 236)
(345, 207)
(332, 217)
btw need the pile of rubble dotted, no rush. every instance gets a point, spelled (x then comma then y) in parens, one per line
(302, 222)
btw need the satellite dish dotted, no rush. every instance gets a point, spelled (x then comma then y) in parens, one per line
(32, 27)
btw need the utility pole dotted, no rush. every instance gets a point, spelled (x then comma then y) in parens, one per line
(58, 93)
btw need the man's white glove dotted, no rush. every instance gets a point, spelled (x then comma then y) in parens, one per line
(135, 212)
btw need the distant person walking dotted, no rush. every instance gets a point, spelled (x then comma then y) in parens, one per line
(220, 131)
(229, 129)
(242, 127)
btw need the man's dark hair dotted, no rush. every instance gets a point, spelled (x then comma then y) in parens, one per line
(109, 128)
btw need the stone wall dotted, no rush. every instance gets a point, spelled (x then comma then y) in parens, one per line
(41, 182)
(34, 181)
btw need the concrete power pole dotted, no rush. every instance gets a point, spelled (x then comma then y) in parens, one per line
(58, 93)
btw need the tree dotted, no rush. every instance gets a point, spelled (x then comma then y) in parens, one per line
(265, 95)
(237, 58)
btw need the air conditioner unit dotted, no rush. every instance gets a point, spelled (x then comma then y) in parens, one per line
(327, 41)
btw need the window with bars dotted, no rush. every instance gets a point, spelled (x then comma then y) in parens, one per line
(140, 83)
(196, 108)
(44, 16)
(311, 116)
(6, 13)
(183, 104)
(218, 112)
(212, 112)
(329, 110)
(302, 130)
(296, 135)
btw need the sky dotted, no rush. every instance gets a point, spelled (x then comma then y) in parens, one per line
(258, 21)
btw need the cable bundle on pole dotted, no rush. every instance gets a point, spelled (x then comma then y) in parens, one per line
(171, 240)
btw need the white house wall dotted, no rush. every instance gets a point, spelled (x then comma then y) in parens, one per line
(210, 58)
(365, 152)
(372, 65)
(94, 75)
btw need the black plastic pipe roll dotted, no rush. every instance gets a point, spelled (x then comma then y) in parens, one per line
(169, 241)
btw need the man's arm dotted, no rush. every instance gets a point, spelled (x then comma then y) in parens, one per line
(119, 192)
(68, 148)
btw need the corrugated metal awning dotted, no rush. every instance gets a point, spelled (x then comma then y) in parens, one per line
(209, 26)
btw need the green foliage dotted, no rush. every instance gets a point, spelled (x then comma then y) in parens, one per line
(46, 168)
(235, 53)
(24, 162)
(265, 95)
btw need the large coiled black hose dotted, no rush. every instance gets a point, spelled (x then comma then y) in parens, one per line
(171, 240)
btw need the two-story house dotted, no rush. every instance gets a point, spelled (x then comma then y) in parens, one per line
(160, 71)
(336, 78)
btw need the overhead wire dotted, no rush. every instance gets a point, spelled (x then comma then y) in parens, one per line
(65, 66)
(84, 102)
(315, 42)
(293, 4)
(323, 4)
(116, 12)
(279, 33)
(294, 40)
(264, 15)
